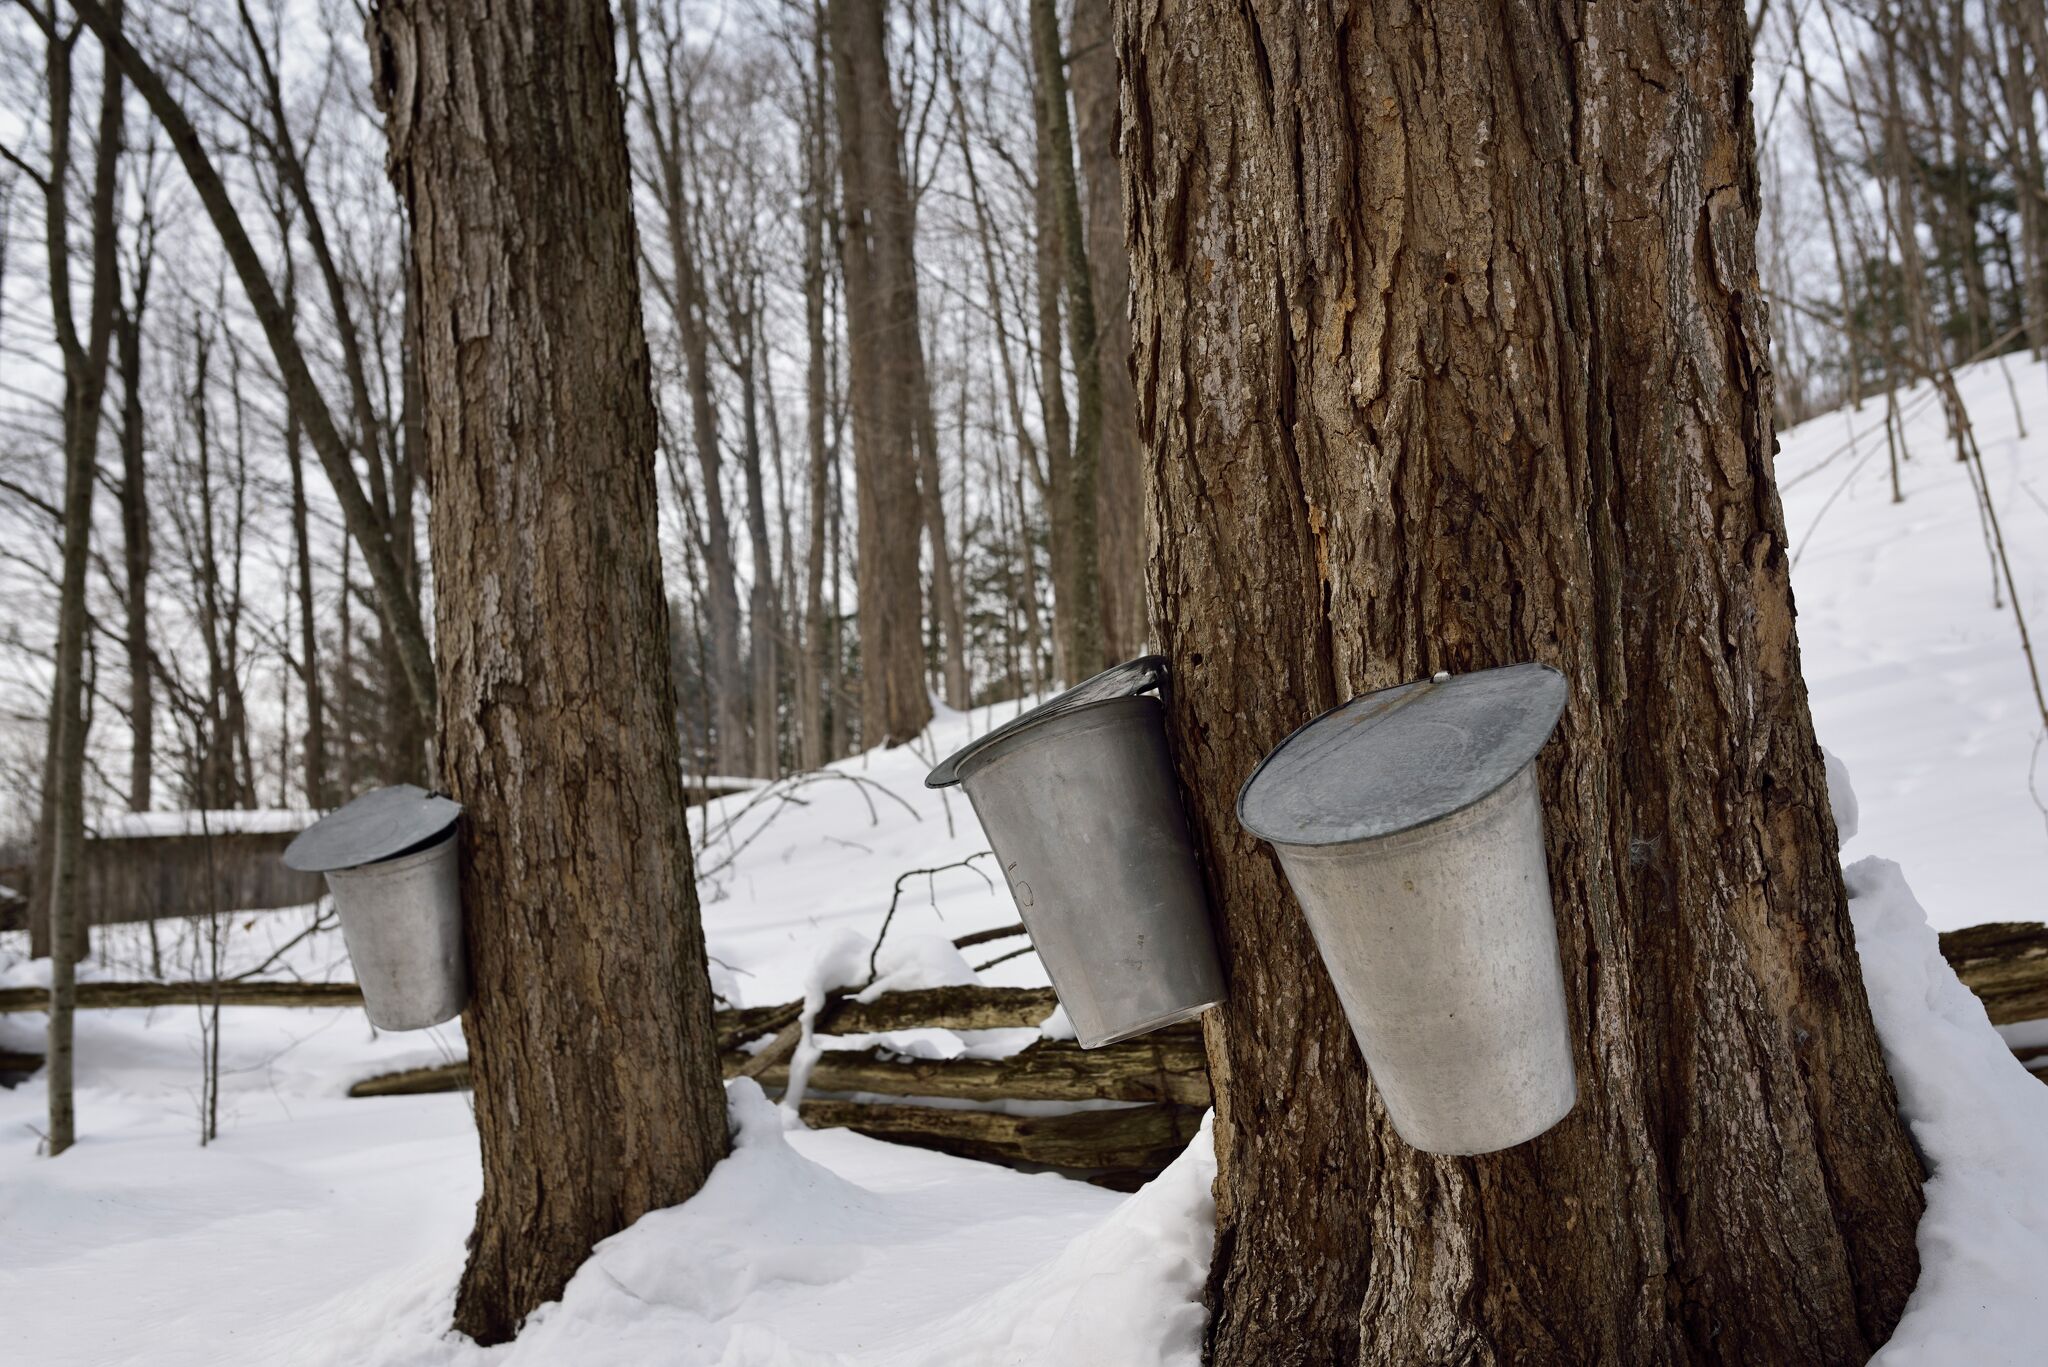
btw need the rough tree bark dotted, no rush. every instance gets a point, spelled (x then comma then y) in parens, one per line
(1449, 354)
(590, 1034)
(1120, 477)
(883, 382)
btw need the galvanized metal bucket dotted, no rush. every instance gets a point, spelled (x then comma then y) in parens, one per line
(1410, 828)
(391, 862)
(1079, 802)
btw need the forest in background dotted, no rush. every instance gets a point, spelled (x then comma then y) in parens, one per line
(951, 508)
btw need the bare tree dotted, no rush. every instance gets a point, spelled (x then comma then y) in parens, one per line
(1079, 614)
(374, 534)
(885, 369)
(86, 359)
(590, 1033)
(668, 115)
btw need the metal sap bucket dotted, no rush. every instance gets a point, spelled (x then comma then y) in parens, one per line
(1079, 802)
(390, 859)
(1410, 828)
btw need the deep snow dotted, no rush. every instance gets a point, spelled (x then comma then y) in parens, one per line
(320, 1229)
(1916, 680)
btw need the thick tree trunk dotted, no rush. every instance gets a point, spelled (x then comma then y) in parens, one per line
(1449, 354)
(885, 373)
(598, 1095)
(1120, 475)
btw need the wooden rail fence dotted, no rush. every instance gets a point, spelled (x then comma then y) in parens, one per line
(1125, 1111)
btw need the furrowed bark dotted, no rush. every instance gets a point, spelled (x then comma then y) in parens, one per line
(590, 1032)
(1450, 354)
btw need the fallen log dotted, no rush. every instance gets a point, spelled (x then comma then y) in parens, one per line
(2006, 964)
(254, 992)
(947, 1008)
(1168, 1066)
(1132, 1141)
(943, 1008)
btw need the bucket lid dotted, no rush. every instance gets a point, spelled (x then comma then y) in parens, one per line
(380, 824)
(1402, 757)
(1126, 680)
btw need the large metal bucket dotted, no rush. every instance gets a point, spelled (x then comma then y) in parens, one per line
(1434, 916)
(402, 921)
(393, 865)
(1081, 807)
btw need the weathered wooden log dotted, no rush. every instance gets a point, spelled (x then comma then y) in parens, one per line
(948, 1008)
(255, 992)
(1165, 1067)
(2006, 964)
(944, 1008)
(1139, 1140)
(1168, 1066)
(438, 1077)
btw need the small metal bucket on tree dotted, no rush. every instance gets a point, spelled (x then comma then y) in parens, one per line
(1410, 828)
(1079, 802)
(392, 864)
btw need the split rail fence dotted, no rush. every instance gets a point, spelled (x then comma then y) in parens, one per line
(1118, 1114)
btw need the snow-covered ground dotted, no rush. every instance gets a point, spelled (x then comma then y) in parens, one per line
(1917, 680)
(319, 1229)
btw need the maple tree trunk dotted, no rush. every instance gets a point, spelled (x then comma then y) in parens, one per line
(885, 372)
(590, 1033)
(1449, 354)
(1120, 475)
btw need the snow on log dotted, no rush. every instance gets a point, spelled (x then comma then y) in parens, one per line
(2006, 964)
